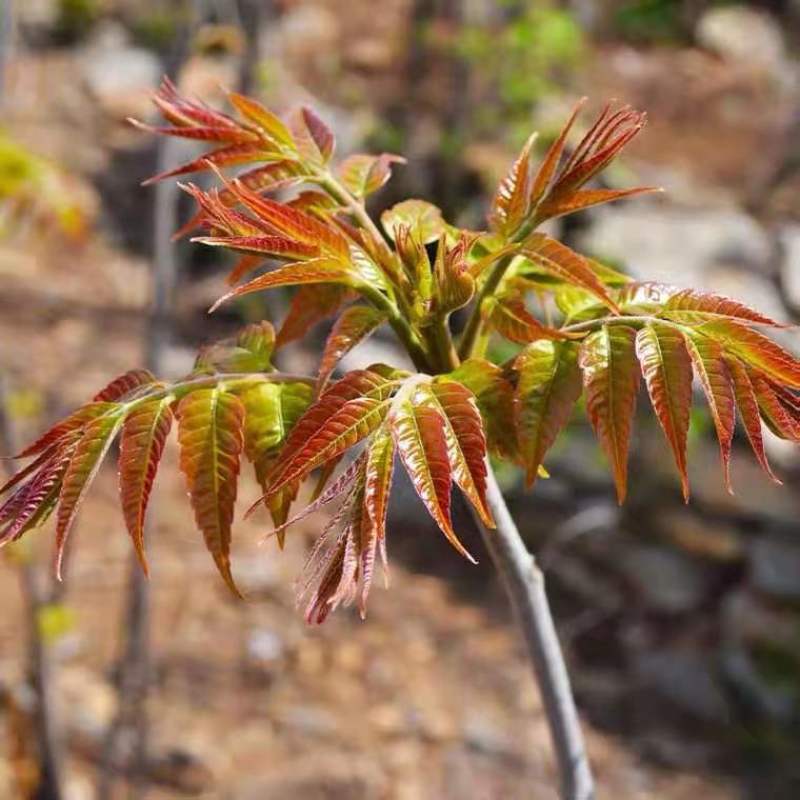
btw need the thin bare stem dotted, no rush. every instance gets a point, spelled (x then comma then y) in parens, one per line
(524, 585)
(39, 666)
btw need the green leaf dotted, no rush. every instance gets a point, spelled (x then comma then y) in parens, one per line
(611, 378)
(272, 410)
(364, 174)
(423, 219)
(548, 386)
(250, 351)
(210, 435)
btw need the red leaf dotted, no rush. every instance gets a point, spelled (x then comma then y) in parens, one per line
(747, 404)
(566, 265)
(230, 156)
(353, 326)
(552, 158)
(511, 202)
(33, 502)
(74, 422)
(321, 134)
(466, 442)
(611, 378)
(692, 306)
(782, 419)
(378, 474)
(494, 396)
(319, 270)
(709, 364)
(511, 319)
(587, 198)
(263, 245)
(420, 438)
(144, 434)
(667, 370)
(310, 305)
(755, 349)
(347, 412)
(84, 463)
(124, 385)
(204, 133)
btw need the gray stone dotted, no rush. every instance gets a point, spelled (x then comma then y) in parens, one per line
(666, 580)
(719, 249)
(686, 678)
(744, 37)
(120, 76)
(775, 566)
(790, 266)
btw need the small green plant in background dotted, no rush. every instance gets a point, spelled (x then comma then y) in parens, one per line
(34, 189)
(519, 62)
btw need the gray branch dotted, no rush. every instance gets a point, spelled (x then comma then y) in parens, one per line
(524, 584)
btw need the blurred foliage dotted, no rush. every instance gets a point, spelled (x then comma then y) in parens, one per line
(33, 188)
(55, 620)
(658, 21)
(76, 18)
(157, 28)
(521, 61)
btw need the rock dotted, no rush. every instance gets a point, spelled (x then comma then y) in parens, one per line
(120, 77)
(483, 735)
(326, 776)
(265, 648)
(790, 265)
(701, 537)
(667, 581)
(745, 37)
(775, 566)
(309, 720)
(686, 678)
(718, 249)
(755, 495)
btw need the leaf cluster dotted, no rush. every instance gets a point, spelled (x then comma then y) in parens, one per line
(579, 328)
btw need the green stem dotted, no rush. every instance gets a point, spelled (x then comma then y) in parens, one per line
(472, 334)
(407, 335)
(442, 347)
(472, 331)
(397, 316)
(230, 379)
(636, 319)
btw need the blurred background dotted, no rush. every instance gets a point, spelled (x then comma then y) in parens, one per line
(681, 623)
